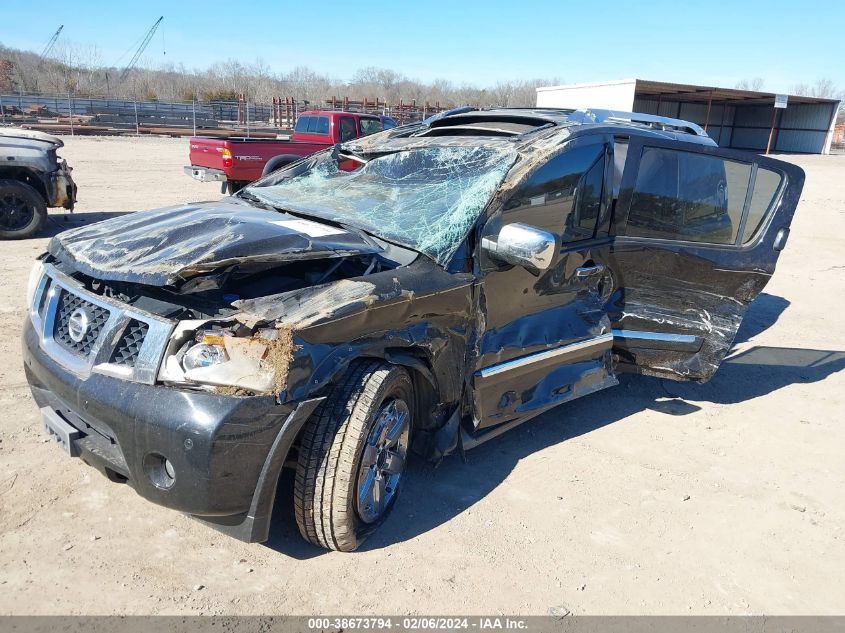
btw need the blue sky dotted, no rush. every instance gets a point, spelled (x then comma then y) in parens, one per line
(711, 43)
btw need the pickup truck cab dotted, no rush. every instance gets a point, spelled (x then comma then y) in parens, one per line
(429, 287)
(236, 161)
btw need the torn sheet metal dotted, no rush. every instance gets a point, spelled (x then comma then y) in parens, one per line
(301, 308)
(673, 293)
(167, 246)
(419, 307)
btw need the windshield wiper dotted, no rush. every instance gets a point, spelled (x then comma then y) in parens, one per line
(243, 194)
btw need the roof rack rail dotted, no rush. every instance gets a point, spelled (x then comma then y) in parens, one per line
(595, 115)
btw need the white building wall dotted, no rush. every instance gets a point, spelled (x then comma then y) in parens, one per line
(610, 95)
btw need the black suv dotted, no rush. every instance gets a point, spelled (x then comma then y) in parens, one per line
(425, 288)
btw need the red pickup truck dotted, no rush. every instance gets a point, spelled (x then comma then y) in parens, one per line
(237, 161)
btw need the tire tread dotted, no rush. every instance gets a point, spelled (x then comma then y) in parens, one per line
(328, 454)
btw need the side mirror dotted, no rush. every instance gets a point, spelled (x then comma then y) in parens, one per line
(522, 245)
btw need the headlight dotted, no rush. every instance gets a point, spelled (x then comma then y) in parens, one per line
(218, 358)
(34, 277)
(203, 355)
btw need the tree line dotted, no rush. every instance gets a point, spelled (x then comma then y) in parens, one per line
(78, 70)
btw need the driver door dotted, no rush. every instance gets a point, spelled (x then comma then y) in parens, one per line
(698, 231)
(545, 337)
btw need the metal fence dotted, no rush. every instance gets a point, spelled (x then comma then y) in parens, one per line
(67, 113)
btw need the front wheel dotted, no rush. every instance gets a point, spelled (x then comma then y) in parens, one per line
(22, 210)
(353, 455)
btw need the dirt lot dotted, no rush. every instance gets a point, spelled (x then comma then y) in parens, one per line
(652, 497)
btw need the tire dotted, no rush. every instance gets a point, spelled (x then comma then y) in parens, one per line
(22, 210)
(277, 162)
(340, 455)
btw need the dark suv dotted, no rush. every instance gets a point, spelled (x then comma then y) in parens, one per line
(428, 287)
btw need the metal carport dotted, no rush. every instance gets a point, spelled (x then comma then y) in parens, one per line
(740, 119)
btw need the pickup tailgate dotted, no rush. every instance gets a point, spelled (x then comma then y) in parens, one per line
(243, 159)
(207, 152)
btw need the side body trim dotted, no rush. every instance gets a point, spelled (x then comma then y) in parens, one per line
(604, 340)
(654, 336)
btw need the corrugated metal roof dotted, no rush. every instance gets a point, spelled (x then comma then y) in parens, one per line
(689, 92)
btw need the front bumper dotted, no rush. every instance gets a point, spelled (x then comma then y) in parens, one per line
(205, 174)
(218, 445)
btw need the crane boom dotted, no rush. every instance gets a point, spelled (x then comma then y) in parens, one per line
(140, 50)
(48, 48)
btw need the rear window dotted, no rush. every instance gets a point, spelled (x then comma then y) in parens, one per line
(698, 198)
(311, 124)
(302, 124)
(318, 125)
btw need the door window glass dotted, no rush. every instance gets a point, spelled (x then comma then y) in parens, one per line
(688, 196)
(766, 185)
(547, 199)
(369, 126)
(620, 155)
(582, 221)
(347, 129)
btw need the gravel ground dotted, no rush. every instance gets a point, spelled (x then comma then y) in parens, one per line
(652, 497)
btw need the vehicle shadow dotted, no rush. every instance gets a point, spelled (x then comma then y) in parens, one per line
(58, 222)
(762, 314)
(434, 494)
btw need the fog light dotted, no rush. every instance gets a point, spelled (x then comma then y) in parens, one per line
(159, 470)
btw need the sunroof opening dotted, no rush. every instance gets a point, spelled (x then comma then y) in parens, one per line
(485, 125)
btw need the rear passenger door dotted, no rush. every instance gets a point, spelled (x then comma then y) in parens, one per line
(698, 231)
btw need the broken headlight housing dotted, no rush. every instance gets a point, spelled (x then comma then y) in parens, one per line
(216, 357)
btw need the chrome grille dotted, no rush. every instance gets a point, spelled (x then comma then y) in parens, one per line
(97, 315)
(42, 301)
(120, 340)
(127, 350)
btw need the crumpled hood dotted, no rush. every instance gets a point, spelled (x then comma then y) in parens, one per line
(167, 246)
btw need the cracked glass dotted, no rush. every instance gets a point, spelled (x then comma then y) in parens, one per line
(425, 198)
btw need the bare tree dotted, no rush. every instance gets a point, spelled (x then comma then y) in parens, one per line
(78, 69)
(823, 88)
(755, 84)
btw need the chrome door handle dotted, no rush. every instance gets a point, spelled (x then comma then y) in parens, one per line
(583, 272)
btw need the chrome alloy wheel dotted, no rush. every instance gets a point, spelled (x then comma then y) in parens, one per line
(383, 460)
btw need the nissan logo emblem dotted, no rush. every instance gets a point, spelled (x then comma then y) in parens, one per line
(78, 324)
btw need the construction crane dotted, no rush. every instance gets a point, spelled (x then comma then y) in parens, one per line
(48, 48)
(141, 49)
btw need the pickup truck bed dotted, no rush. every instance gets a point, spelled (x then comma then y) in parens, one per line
(236, 160)
(240, 159)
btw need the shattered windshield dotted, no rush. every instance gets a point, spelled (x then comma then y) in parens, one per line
(424, 198)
